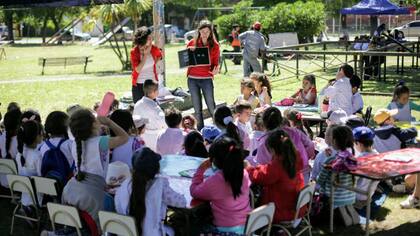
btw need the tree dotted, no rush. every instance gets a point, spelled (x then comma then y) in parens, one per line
(112, 14)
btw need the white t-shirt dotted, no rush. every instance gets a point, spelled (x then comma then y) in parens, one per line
(340, 95)
(147, 70)
(32, 167)
(357, 102)
(124, 153)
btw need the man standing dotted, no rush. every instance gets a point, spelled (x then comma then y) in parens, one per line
(254, 45)
(236, 44)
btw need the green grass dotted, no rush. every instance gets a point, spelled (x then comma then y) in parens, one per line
(32, 90)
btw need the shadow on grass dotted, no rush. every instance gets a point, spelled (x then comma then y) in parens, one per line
(410, 228)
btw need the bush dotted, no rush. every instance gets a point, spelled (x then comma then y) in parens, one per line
(304, 18)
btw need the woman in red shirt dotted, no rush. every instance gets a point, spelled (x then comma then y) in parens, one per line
(282, 178)
(144, 56)
(200, 78)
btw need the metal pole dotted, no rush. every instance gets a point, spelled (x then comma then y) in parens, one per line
(324, 48)
(159, 34)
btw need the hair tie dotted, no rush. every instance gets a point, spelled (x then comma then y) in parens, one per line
(231, 148)
(227, 120)
(299, 116)
(400, 83)
(30, 118)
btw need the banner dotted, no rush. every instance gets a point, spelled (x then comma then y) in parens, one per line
(56, 3)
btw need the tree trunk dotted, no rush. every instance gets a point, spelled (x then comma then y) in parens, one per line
(9, 22)
(44, 28)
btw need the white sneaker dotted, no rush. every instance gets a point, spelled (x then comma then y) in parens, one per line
(410, 202)
(399, 188)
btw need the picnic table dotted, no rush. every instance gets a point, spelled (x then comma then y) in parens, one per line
(309, 113)
(378, 167)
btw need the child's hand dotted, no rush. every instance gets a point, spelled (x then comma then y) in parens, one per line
(215, 70)
(192, 48)
(205, 165)
(246, 164)
(103, 120)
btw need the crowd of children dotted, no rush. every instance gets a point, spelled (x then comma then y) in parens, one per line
(252, 143)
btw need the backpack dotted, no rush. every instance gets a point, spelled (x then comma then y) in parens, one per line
(54, 163)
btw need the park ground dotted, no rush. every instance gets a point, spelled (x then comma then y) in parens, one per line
(21, 81)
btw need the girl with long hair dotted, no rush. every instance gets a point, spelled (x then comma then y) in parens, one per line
(228, 189)
(262, 88)
(86, 191)
(144, 195)
(281, 178)
(200, 78)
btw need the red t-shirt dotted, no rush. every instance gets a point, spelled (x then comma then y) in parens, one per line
(135, 57)
(205, 71)
(279, 188)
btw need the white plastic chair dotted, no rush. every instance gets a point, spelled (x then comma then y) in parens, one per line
(304, 199)
(259, 218)
(117, 224)
(7, 167)
(22, 184)
(64, 215)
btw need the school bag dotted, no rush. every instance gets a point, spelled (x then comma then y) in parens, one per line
(55, 165)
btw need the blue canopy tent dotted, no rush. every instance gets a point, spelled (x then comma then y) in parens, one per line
(375, 8)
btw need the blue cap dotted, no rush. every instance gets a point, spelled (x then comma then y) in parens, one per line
(210, 133)
(363, 133)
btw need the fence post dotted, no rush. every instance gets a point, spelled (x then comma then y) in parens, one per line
(297, 65)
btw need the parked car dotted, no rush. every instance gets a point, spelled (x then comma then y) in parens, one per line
(411, 29)
(79, 36)
(3, 31)
(190, 35)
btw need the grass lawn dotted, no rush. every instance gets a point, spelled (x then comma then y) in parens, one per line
(21, 81)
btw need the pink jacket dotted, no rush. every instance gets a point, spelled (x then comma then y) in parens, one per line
(227, 211)
(302, 142)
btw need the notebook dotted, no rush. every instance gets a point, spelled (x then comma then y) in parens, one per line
(198, 57)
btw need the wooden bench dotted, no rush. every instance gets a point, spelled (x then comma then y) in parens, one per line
(63, 61)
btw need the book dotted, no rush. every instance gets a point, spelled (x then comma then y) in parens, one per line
(198, 57)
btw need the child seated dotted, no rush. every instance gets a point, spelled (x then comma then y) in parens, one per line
(247, 90)
(257, 133)
(223, 119)
(294, 119)
(342, 137)
(356, 99)
(188, 124)
(243, 115)
(363, 142)
(146, 196)
(388, 137)
(171, 140)
(194, 145)
(281, 179)
(262, 88)
(86, 191)
(209, 134)
(29, 158)
(307, 94)
(401, 101)
(148, 108)
(228, 189)
(124, 152)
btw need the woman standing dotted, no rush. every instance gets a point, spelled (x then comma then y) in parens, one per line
(200, 78)
(144, 56)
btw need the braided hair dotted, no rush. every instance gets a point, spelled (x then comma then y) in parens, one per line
(27, 135)
(81, 126)
(11, 123)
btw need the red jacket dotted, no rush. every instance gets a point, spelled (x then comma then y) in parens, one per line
(278, 187)
(135, 57)
(205, 71)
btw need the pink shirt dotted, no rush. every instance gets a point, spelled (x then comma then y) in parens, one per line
(227, 211)
(302, 142)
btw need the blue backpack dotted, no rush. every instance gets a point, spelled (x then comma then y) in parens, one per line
(55, 165)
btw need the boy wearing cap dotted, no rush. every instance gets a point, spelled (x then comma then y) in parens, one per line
(171, 140)
(254, 45)
(388, 137)
(363, 142)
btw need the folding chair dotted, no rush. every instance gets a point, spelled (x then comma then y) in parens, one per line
(261, 217)
(23, 185)
(368, 114)
(7, 167)
(46, 186)
(64, 215)
(117, 224)
(304, 198)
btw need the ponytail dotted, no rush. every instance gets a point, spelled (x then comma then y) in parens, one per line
(280, 144)
(272, 118)
(227, 155)
(11, 123)
(224, 119)
(138, 199)
(233, 132)
(80, 174)
(20, 145)
(9, 136)
(27, 135)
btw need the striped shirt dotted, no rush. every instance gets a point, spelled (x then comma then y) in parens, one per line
(342, 196)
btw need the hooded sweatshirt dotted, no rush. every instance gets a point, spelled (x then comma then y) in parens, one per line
(389, 138)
